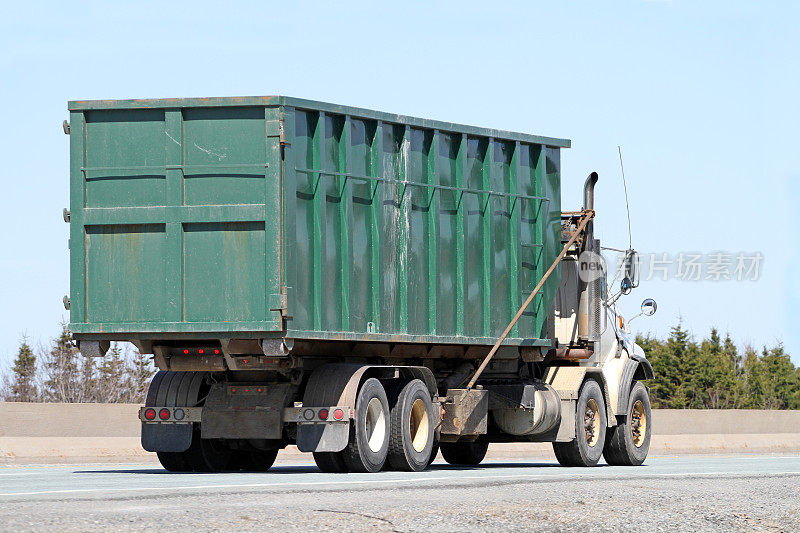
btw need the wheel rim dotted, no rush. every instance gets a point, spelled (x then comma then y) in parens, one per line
(418, 425)
(638, 423)
(375, 424)
(591, 423)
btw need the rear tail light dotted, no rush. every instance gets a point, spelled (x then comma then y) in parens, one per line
(186, 352)
(338, 414)
(179, 414)
(150, 414)
(163, 414)
(323, 414)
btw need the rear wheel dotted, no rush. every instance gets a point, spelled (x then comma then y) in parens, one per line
(412, 428)
(174, 389)
(590, 429)
(207, 455)
(369, 433)
(173, 461)
(465, 453)
(628, 443)
(252, 461)
(330, 462)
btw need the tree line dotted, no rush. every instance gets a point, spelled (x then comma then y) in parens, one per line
(712, 373)
(59, 373)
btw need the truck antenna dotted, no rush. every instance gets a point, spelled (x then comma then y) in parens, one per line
(627, 207)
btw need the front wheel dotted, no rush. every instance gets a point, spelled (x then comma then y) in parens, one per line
(628, 443)
(590, 429)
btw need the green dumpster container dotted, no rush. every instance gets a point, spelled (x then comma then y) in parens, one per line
(221, 218)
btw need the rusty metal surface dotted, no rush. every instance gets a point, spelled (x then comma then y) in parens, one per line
(465, 412)
(572, 353)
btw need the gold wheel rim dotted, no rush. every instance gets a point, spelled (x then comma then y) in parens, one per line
(591, 423)
(418, 425)
(638, 423)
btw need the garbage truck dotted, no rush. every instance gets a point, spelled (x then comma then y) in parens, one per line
(370, 287)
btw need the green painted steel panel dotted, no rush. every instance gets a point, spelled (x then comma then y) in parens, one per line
(200, 217)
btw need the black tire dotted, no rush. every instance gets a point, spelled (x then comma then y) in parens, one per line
(207, 455)
(626, 444)
(251, 460)
(587, 447)
(330, 462)
(180, 389)
(173, 461)
(369, 431)
(465, 453)
(412, 428)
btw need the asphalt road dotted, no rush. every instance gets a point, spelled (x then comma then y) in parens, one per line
(668, 493)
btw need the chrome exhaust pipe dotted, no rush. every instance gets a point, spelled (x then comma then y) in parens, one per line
(588, 191)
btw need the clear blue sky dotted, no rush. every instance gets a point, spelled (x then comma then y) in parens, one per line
(702, 98)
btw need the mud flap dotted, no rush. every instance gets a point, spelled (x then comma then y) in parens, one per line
(166, 437)
(322, 437)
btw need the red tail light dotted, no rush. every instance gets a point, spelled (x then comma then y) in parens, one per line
(186, 352)
(216, 352)
(163, 414)
(200, 351)
(323, 414)
(338, 414)
(150, 414)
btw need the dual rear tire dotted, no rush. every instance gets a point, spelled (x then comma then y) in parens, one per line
(389, 431)
(211, 455)
(176, 389)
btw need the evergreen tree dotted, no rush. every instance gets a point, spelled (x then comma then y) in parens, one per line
(22, 385)
(673, 362)
(62, 371)
(714, 380)
(752, 380)
(111, 386)
(661, 387)
(779, 379)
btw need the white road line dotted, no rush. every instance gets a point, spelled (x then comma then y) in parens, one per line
(386, 481)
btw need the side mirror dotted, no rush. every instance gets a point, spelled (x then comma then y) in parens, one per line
(632, 268)
(649, 307)
(626, 285)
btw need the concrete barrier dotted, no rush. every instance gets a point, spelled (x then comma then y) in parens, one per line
(39, 432)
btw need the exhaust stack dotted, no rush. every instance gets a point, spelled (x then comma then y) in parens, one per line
(588, 191)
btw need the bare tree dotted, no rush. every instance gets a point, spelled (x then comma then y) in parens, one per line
(139, 369)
